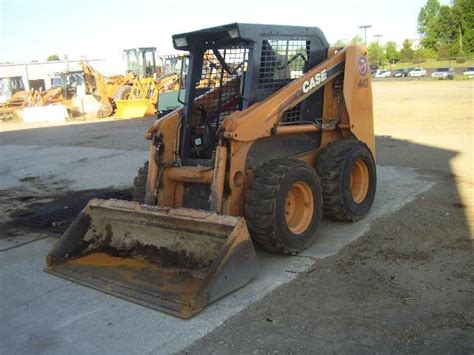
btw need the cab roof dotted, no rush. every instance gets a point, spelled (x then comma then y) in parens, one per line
(239, 32)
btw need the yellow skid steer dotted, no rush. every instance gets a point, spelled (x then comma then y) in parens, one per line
(282, 134)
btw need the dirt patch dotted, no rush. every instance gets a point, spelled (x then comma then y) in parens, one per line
(49, 213)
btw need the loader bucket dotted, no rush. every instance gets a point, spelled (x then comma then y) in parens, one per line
(134, 108)
(173, 260)
(89, 107)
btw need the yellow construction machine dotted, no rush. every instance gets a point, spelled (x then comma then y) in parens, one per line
(140, 98)
(15, 100)
(98, 101)
(282, 135)
(13, 96)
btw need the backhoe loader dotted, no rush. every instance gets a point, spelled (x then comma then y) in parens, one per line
(29, 105)
(13, 97)
(284, 135)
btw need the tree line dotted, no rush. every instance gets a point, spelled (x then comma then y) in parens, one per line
(446, 32)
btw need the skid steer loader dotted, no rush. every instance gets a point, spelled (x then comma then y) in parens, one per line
(283, 135)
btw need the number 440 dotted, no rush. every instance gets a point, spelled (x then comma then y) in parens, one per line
(363, 83)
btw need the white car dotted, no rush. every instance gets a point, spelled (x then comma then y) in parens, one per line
(469, 72)
(443, 74)
(418, 72)
(383, 74)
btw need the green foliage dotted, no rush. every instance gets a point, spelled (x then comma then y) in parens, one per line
(376, 53)
(340, 43)
(463, 11)
(357, 40)
(427, 19)
(422, 54)
(391, 51)
(52, 58)
(443, 51)
(447, 29)
(406, 53)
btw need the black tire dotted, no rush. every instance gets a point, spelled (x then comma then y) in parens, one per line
(122, 92)
(334, 167)
(265, 206)
(139, 184)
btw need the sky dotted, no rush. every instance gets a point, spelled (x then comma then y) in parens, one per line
(34, 29)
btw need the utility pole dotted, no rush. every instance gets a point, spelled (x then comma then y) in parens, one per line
(365, 27)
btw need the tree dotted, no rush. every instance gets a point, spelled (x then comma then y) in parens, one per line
(357, 40)
(376, 53)
(443, 51)
(52, 58)
(446, 27)
(406, 53)
(340, 43)
(463, 11)
(391, 51)
(420, 55)
(427, 18)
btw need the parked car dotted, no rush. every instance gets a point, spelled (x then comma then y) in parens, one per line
(418, 72)
(383, 74)
(373, 69)
(469, 72)
(443, 74)
(400, 73)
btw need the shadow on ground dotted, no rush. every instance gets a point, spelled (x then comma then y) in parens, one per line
(117, 134)
(406, 286)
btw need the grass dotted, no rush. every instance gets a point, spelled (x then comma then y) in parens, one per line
(432, 63)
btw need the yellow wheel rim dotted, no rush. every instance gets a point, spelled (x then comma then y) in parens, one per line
(299, 207)
(360, 181)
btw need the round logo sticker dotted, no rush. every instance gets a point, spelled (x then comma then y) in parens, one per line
(363, 66)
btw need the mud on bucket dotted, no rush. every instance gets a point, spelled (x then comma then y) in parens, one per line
(173, 260)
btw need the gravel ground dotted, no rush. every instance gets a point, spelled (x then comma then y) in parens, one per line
(407, 285)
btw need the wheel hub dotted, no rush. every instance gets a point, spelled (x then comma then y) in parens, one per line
(299, 207)
(359, 181)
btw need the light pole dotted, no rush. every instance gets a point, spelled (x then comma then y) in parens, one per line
(378, 48)
(365, 27)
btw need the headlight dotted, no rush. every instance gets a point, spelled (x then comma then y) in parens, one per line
(234, 33)
(180, 42)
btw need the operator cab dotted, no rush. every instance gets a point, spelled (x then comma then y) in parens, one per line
(231, 67)
(71, 83)
(9, 86)
(141, 61)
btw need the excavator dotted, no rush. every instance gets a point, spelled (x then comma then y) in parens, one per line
(282, 134)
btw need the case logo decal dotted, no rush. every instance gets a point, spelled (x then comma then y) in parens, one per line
(363, 67)
(317, 79)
